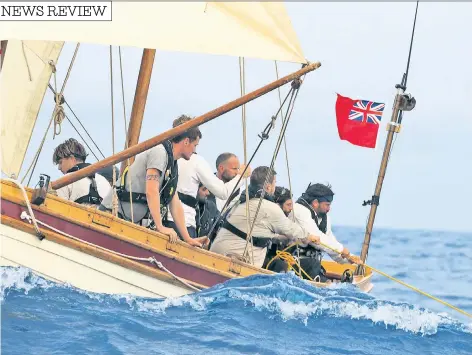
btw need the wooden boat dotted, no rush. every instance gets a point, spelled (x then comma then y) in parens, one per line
(95, 251)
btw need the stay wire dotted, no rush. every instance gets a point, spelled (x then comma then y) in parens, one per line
(264, 135)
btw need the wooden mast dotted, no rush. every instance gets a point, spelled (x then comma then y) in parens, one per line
(403, 102)
(393, 127)
(152, 142)
(139, 104)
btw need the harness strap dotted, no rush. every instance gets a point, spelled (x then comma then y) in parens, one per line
(188, 200)
(259, 242)
(93, 196)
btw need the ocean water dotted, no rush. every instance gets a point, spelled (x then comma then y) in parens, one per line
(278, 314)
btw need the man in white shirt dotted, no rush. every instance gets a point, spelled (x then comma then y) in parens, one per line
(192, 172)
(311, 212)
(227, 167)
(69, 157)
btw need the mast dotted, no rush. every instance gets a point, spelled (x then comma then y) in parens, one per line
(152, 142)
(403, 102)
(139, 104)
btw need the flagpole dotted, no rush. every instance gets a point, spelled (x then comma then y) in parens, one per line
(403, 102)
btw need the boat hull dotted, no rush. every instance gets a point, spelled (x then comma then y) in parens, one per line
(95, 251)
(66, 265)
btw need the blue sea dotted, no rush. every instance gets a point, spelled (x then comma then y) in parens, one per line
(278, 314)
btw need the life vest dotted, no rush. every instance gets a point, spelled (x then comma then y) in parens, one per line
(92, 197)
(169, 185)
(206, 215)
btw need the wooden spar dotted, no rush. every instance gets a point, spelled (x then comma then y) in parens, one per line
(139, 104)
(152, 142)
(393, 127)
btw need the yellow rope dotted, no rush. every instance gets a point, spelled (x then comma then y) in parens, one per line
(409, 286)
(419, 291)
(290, 259)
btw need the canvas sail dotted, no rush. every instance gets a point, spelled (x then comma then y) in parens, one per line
(24, 78)
(247, 29)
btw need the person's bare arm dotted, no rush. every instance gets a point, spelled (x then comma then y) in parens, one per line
(154, 203)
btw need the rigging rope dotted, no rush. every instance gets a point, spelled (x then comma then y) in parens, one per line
(76, 130)
(288, 166)
(264, 135)
(59, 113)
(294, 93)
(242, 77)
(78, 120)
(115, 197)
(126, 134)
(26, 60)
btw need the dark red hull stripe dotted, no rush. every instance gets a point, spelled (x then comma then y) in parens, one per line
(177, 267)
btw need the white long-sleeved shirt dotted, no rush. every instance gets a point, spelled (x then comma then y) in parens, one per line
(194, 171)
(271, 222)
(303, 218)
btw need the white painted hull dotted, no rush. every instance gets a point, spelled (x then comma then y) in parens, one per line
(66, 265)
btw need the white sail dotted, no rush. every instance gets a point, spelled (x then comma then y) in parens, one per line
(244, 29)
(24, 78)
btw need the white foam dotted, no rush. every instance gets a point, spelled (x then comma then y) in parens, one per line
(15, 278)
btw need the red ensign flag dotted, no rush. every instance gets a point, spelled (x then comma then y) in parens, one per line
(358, 120)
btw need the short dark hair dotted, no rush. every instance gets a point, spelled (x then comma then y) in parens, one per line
(192, 134)
(317, 191)
(70, 148)
(223, 157)
(281, 195)
(260, 175)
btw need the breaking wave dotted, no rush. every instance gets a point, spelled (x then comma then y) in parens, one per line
(258, 314)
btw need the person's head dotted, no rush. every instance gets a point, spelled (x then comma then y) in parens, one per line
(283, 197)
(203, 193)
(186, 143)
(259, 176)
(319, 196)
(227, 166)
(69, 154)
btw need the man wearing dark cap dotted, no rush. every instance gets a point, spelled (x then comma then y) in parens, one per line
(311, 213)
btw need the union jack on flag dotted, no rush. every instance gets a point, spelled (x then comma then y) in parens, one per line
(366, 111)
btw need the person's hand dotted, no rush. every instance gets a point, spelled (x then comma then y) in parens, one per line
(313, 239)
(354, 259)
(198, 242)
(206, 242)
(345, 253)
(248, 171)
(173, 238)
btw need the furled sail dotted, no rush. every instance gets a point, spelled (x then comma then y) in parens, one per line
(244, 29)
(24, 79)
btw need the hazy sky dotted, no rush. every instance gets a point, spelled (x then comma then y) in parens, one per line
(363, 50)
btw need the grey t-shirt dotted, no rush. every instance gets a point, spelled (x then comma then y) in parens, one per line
(154, 158)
